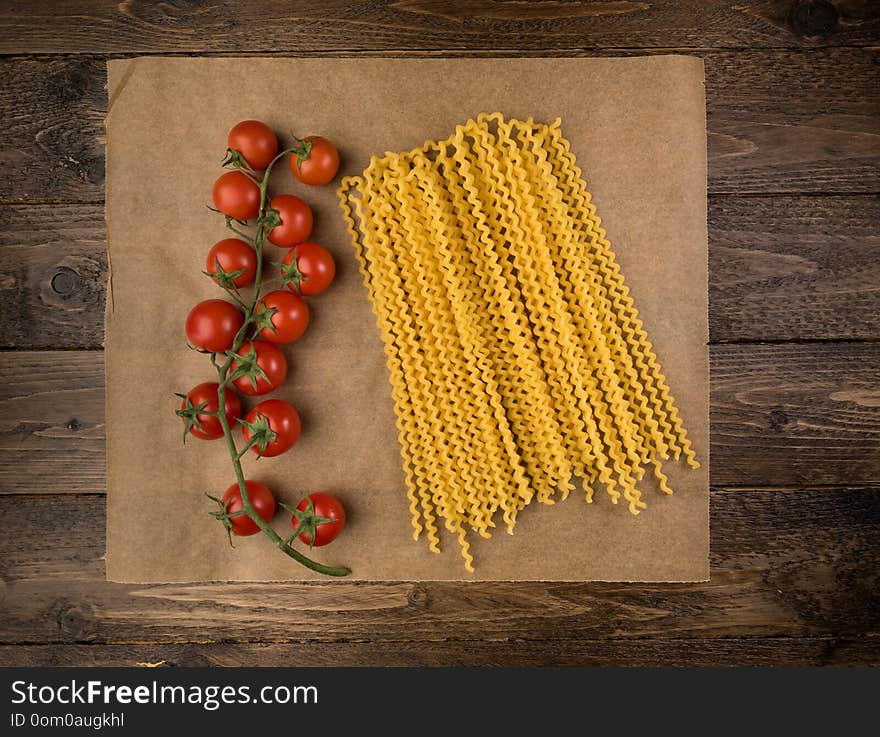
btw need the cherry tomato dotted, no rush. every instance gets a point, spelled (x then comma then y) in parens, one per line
(212, 325)
(270, 359)
(290, 319)
(320, 165)
(322, 505)
(296, 220)
(314, 270)
(207, 427)
(255, 141)
(232, 254)
(237, 196)
(281, 418)
(261, 500)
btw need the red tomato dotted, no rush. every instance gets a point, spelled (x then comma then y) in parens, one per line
(281, 418)
(212, 325)
(237, 196)
(313, 272)
(261, 500)
(255, 141)
(320, 165)
(203, 398)
(324, 506)
(231, 255)
(288, 322)
(269, 359)
(296, 220)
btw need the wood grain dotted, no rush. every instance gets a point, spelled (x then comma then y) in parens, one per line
(647, 652)
(53, 144)
(765, 134)
(794, 122)
(780, 415)
(794, 268)
(53, 273)
(52, 422)
(795, 414)
(796, 564)
(140, 26)
(781, 268)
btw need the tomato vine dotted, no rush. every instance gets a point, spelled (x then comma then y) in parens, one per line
(266, 219)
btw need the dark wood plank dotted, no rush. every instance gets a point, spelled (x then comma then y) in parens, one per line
(52, 422)
(781, 415)
(646, 652)
(767, 134)
(795, 414)
(53, 272)
(784, 563)
(794, 122)
(781, 268)
(791, 268)
(53, 144)
(54, 539)
(140, 26)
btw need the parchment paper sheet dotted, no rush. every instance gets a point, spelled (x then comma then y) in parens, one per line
(637, 127)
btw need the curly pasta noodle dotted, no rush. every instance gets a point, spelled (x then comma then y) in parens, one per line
(517, 359)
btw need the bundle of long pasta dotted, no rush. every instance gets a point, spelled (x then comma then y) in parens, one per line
(518, 362)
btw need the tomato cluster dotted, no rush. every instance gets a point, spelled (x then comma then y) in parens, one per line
(243, 335)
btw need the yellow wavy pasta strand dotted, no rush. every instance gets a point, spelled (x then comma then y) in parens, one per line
(517, 359)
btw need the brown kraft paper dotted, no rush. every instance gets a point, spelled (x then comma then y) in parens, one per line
(637, 127)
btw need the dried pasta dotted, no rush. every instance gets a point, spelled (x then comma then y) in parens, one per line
(517, 359)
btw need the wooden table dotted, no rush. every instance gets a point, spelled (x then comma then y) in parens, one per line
(794, 245)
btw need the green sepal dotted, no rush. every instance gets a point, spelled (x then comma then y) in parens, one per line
(235, 159)
(190, 414)
(247, 367)
(261, 433)
(230, 220)
(271, 219)
(291, 275)
(263, 318)
(223, 516)
(225, 279)
(307, 521)
(302, 149)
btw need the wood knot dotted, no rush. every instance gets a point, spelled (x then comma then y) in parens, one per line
(813, 18)
(74, 424)
(778, 420)
(66, 282)
(75, 621)
(70, 82)
(418, 596)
